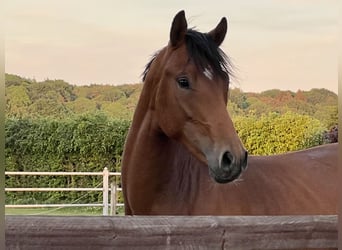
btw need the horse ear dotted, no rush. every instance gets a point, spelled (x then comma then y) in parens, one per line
(178, 29)
(218, 34)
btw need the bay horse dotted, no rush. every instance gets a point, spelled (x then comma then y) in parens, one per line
(182, 155)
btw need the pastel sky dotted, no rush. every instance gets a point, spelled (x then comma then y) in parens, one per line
(288, 45)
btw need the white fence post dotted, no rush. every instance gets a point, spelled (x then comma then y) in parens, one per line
(113, 198)
(105, 191)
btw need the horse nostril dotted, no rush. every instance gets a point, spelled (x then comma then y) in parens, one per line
(245, 160)
(227, 159)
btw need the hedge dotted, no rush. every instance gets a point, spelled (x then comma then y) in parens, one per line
(93, 141)
(86, 143)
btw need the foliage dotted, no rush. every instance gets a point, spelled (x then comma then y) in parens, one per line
(15, 80)
(81, 143)
(328, 115)
(313, 103)
(59, 99)
(17, 100)
(274, 133)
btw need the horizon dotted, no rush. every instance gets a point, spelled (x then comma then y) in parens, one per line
(117, 85)
(273, 44)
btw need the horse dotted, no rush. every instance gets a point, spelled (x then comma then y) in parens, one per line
(183, 156)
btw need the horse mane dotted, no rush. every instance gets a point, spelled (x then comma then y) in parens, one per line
(204, 52)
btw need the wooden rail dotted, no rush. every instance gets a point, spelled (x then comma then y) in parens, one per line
(171, 232)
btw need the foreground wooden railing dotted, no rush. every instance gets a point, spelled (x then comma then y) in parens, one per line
(171, 232)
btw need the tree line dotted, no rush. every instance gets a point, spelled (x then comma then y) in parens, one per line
(59, 99)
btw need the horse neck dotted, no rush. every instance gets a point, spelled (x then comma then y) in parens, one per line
(167, 166)
(147, 98)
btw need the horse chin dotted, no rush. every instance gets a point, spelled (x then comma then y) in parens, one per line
(223, 177)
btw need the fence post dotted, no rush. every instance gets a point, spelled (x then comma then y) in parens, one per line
(113, 198)
(105, 191)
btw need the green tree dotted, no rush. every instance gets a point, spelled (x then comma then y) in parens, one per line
(327, 114)
(239, 98)
(17, 100)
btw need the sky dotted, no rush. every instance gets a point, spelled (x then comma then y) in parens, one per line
(287, 45)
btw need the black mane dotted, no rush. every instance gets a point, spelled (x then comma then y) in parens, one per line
(204, 52)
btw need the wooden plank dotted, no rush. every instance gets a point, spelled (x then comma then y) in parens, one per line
(171, 232)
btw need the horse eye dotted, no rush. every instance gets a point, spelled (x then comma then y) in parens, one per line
(183, 82)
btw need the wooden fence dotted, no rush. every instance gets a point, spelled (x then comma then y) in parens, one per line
(105, 189)
(171, 232)
(161, 232)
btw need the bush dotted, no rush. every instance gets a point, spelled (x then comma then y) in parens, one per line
(85, 143)
(274, 133)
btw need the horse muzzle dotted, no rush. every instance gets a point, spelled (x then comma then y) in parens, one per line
(227, 167)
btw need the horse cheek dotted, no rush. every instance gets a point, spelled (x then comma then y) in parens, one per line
(170, 117)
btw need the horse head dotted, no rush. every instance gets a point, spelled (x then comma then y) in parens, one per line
(191, 75)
